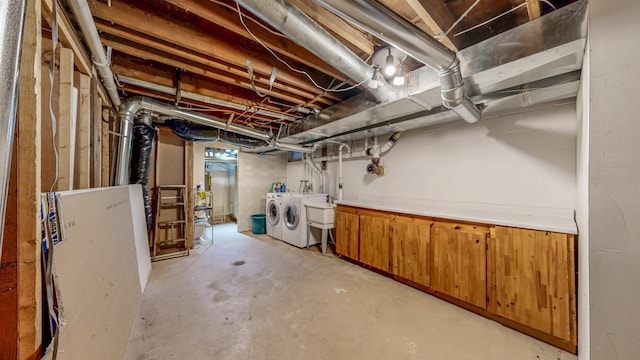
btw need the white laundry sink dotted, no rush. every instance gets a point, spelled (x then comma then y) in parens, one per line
(321, 214)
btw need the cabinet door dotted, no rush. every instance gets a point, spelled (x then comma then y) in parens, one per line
(411, 249)
(347, 234)
(532, 279)
(458, 265)
(375, 246)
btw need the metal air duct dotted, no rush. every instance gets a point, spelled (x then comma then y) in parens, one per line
(130, 108)
(12, 15)
(300, 28)
(383, 23)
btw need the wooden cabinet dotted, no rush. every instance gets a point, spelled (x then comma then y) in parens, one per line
(347, 232)
(524, 279)
(375, 246)
(411, 248)
(458, 266)
(532, 280)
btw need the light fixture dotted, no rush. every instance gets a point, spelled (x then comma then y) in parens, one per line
(387, 60)
(375, 79)
(399, 79)
(390, 66)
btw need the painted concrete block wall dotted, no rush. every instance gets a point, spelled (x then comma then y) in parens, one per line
(255, 175)
(526, 159)
(614, 179)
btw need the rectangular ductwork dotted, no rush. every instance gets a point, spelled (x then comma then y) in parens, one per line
(535, 63)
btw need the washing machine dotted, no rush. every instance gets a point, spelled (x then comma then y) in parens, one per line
(294, 219)
(274, 214)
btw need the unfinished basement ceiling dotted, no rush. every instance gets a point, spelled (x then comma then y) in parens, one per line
(203, 48)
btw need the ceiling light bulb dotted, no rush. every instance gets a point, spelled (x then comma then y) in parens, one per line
(390, 67)
(390, 70)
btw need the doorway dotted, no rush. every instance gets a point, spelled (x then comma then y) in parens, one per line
(221, 183)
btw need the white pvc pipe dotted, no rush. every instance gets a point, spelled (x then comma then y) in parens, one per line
(84, 18)
(342, 146)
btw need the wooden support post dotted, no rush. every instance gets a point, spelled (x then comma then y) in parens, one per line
(96, 136)
(105, 144)
(189, 203)
(83, 134)
(65, 130)
(28, 177)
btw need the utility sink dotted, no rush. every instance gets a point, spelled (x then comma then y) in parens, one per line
(321, 214)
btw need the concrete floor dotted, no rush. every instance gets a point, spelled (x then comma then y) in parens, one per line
(252, 297)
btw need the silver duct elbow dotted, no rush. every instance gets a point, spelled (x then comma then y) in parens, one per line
(127, 115)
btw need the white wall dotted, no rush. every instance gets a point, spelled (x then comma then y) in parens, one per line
(255, 175)
(614, 179)
(582, 209)
(526, 159)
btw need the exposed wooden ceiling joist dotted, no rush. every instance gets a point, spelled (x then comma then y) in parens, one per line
(148, 53)
(353, 38)
(231, 58)
(533, 9)
(438, 18)
(229, 19)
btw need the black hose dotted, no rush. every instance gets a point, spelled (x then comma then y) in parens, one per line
(196, 132)
(141, 157)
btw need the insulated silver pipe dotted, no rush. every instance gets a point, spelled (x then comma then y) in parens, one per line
(375, 18)
(84, 18)
(303, 30)
(12, 15)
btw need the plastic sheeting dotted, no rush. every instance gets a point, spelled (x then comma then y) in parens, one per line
(194, 132)
(141, 161)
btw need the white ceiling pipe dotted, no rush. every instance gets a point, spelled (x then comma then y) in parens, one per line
(84, 18)
(342, 146)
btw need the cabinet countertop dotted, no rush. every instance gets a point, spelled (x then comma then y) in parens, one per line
(528, 218)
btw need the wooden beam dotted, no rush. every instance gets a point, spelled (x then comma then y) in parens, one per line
(105, 147)
(225, 71)
(83, 134)
(28, 156)
(337, 26)
(65, 129)
(96, 136)
(68, 36)
(436, 16)
(533, 9)
(229, 19)
(175, 34)
(150, 54)
(131, 67)
(188, 178)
